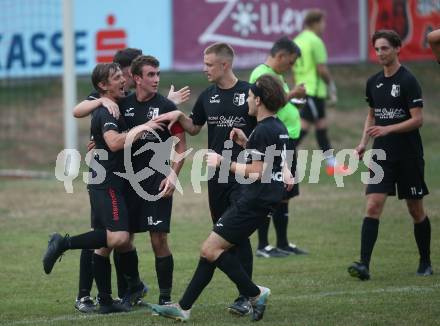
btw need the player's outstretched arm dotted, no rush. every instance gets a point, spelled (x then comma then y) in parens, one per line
(253, 170)
(178, 116)
(180, 96)
(117, 141)
(434, 42)
(86, 107)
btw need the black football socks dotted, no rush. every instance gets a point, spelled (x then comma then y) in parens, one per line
(370, 228)
(102, 273)
(263, 231)
(201, 278)
(280, 220)
(164, 272)
(85, 273)
(229, 264)
(422, 233)
(90, 240)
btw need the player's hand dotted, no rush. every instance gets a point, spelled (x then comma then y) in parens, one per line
(154, 125)
(238, 136)
(111, 106)
(170, 117)
(299, 91)
(91, 145)
(213, 159)
(180, 96)
(168, 185)
(332, 93)
(360, 150)
(378, 131)
(288, 179)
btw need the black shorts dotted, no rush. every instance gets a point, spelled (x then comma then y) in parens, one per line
(291, 145)
(221, 196)
(241, 220)
(313, 110)
(109, 209)
(154, 216)
(407, 174)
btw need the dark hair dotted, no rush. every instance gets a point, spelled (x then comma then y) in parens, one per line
(271, 92)
(221, 50)
(388, 34)
(102, 73)
(143, 60)
(285, 44)
(313, 16)
(126, 56)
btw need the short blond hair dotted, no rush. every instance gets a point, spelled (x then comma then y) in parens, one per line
(313, 16)
(222, 50)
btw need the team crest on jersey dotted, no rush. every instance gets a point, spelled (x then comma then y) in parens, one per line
(239, 99)
(395, 90)
(152, 113)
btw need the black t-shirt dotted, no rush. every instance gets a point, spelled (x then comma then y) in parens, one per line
(269, 135)
(392, 98)
(222, 110)
(158, 143)
(103, 121)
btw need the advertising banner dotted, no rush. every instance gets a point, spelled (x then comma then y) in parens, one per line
(31, 34)
(412, 19)
(251, 27)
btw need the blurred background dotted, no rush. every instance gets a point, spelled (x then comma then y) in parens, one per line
(33, 127)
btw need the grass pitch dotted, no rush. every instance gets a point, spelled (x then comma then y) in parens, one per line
(306, 290)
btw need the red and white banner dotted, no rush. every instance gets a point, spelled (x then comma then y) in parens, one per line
(412, 19)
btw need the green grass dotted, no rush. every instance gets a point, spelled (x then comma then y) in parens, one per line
(308, 290)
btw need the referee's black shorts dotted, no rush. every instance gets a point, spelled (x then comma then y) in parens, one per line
(313, 110)
(405, 174)
(109, 209)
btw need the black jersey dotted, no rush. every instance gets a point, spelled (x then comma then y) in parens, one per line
(392, 98)
(103, 121)
(269, 135)
(222, 110)
(136, 113)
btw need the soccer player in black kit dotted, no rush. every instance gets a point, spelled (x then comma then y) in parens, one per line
(107, 195)
(257, 200)
(84, 303)
(395, 100)
(151, 211)
(222, 106)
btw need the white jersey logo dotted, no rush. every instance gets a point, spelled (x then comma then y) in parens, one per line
(379, 85)
(128, 112)
(214, 99)
(395, 90)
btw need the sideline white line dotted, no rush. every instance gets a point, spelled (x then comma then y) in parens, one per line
(78, 317)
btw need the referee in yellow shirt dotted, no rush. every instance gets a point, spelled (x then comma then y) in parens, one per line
(312, 71)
